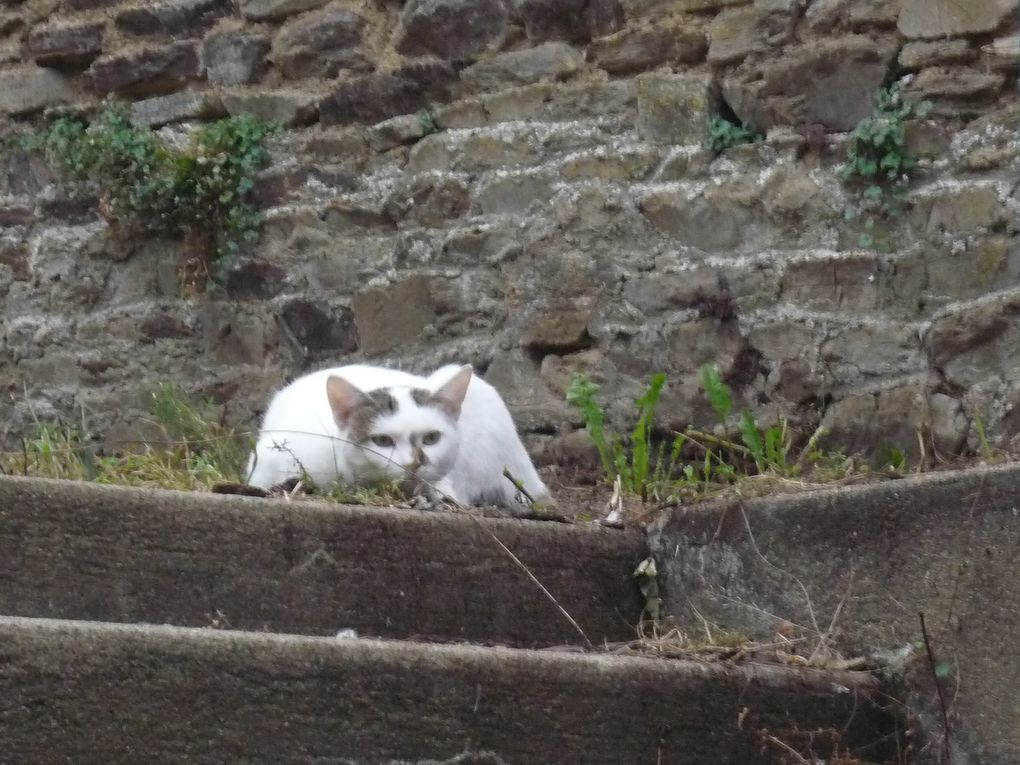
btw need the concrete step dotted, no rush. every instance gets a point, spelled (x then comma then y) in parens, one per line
(84, 551)
(113, 693)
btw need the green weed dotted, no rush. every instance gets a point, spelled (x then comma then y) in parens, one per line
(878, 164)
(723, 134)
(201, 193)
(631, 461)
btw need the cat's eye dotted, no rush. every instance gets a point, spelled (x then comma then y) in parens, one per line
(432, 437)
(380, 440)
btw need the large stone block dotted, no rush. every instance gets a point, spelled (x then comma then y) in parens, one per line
(317, 327)
(674, 108)
(571, 20)
(549, 61)
(283, 106)
(393, 316)
(72, 45)
(634, 50)
(958, 211)
(234, 58)
(829, 82)
(273, 10)
(452, 29)
(950, 18)
(737, 33)
(320, 44)
(377, 96)
(176, 107)
(185, 18)
(148, 70)
(30, 89)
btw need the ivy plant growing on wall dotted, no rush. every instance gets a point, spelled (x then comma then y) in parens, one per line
(878, 162)
(145, 185)
(724, 134)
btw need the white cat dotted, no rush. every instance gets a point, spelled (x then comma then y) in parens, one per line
(362, 423)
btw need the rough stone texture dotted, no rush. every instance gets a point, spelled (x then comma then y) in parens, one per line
(916, 55)
(177, 107)
(285, 107)
(30, 89)
(65, 46)
(269, 564)
(943, 18)
(233, 58)
(380, 327)
(737, 33)
(575, 21)
(634, 50)
(358, 701)
(452, 29)
(188, 18)
(943, 545)
(831, 83)
(549, 61)
(320, 44)
(272, 10)
(674, 108)
(377, 96)
(157, 69)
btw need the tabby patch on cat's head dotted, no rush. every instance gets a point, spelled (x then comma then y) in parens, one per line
(354, 409)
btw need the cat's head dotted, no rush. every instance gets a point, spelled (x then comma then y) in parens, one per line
(390, 431)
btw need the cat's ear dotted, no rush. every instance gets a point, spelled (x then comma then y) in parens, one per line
(344, 398)
(450, 397)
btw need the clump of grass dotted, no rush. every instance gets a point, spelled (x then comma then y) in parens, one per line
(878, 163)
(628, 459)
(196, 450)
(147, 186)
(724, 134)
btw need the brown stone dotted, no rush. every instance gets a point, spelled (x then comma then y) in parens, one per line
(155, 69)
(320, 44)
(285, 107)
(674, 108)
(548, 61)
(946, 18)
(24, 90)
(960, 211)
(574, 21)
(916, 55)
(557, 328)
(377, 96)
(452, 29)
(634, 50)
(176, 107)
(393, 316)
(318, 328)
(273, 10)
(708, 5)
(185, 18)
(954, 82)
(71, 45)
(739, 32)
(829, 82)
(233, 58)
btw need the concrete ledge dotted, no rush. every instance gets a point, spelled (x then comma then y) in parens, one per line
(83, 551)
(946, 544)
(94, 692)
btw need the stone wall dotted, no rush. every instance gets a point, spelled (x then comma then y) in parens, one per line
(566, 218)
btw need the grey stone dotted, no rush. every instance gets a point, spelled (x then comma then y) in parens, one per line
(273, 10)
(739, 32)
(376, 96)
(452, 29)
(70, 45)
(916, 55)
(575, 21)
(708, 5)
(182, 18)
(825, 15)
(548, 61)
(557, 327)
(393, 316)
(234, 58)
(637, 49)
(831, 83)
(674, 108)
(317, 327)
(514, 194)
(955, 82)
(290, 107)
(177, 107)
(146, 71)
(958, 211)
(396, 131)
(944, 18)
(978, 341)
(535, 408)
(320, 44)
(720, 220)
(25, 90)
